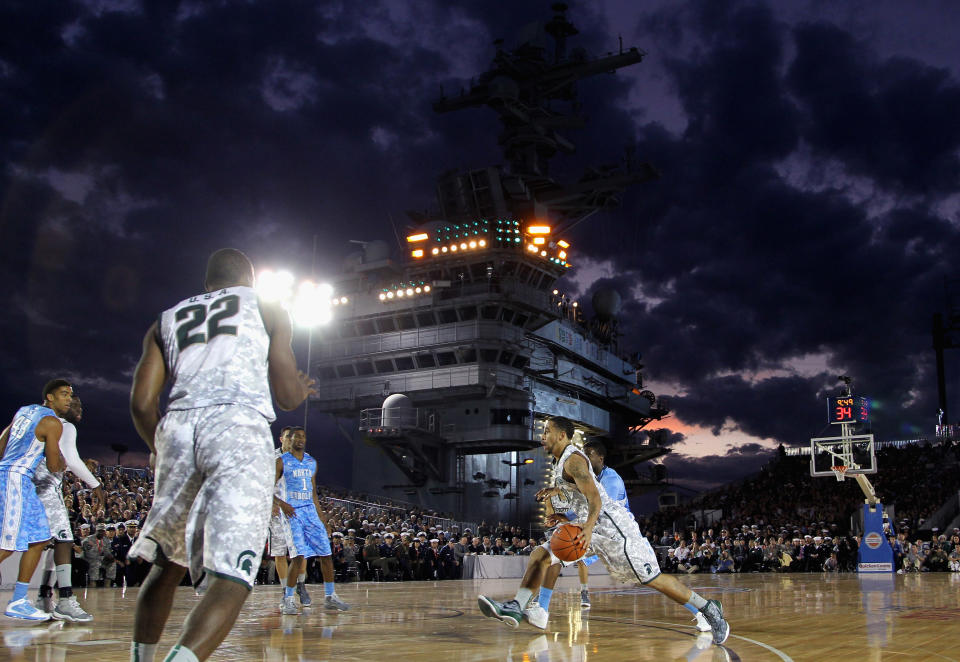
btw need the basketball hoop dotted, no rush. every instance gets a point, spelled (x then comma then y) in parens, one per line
(840, 472)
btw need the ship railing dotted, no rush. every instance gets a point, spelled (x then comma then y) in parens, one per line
(399, 419)
(467, 375)
(420, 337)
(399, 508)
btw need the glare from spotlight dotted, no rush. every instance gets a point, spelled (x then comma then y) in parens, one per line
(274, 285)
(435, 251)
(409, 291)
(444, 249)
(426, 288)
(473, 244)
(389, 295)
(383, 296)
(311, 305)
(483, 243)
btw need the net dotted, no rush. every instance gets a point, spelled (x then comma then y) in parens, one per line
(839, 471)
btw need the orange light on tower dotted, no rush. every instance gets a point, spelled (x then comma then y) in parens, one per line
(539, 241)
(413, 238)
(563, 244)
(538, 229)
(531, 248)
(417, 253)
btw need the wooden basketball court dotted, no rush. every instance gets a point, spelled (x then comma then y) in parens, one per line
(773, 617)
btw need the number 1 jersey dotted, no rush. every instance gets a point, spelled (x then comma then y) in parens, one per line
(216, 349)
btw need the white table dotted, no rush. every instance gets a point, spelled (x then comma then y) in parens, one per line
(506, 567)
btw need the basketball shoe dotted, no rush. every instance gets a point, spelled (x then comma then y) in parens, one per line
(701, 622)
(334, 602)
(303, 595)
(508, 612)
(536, 615)
(713, 612)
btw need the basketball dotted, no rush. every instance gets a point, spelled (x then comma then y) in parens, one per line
(563, 545)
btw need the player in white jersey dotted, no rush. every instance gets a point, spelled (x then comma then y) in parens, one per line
(280, 537)
(57, 562)
(221, 351)
(608, 529)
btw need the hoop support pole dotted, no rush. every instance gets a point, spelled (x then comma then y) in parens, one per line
(867, 487)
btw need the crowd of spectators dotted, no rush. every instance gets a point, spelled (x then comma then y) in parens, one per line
(105, 523)
(784, 520)
(780, 520)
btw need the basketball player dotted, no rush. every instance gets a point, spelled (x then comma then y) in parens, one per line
(607, 529)
(32, 436)
(308, 533)
(280, 526)
(58, 561)
(613, 485)
(222, 351)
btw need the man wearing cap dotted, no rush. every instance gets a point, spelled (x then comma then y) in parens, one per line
(109, 561)
(388, 554)
(449, 568)
(136, 568)
(94, 547)
(120, 546)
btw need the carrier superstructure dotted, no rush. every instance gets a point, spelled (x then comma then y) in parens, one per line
(446, 358)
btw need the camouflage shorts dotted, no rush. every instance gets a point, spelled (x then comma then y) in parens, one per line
(51, 497)
(280, 537)
(213, 492)
(625, 552)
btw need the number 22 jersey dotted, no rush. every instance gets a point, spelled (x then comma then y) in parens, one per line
(216, 350)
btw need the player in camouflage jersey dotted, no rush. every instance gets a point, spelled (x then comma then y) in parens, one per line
(222, 351)
(280, 538)
(608, 528)
(58, 561)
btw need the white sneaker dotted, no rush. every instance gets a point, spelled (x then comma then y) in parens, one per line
(22, 609)
(702, 624)
(334, 602)
(68, 609)
(290, 607)
(536, 615)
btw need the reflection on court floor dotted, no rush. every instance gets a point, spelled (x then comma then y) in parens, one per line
(774, 617)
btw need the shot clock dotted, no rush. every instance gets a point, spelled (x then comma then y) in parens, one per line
(848, 409)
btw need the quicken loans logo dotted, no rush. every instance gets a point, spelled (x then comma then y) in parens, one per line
(245, 561)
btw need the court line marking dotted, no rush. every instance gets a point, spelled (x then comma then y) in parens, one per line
(783, 656)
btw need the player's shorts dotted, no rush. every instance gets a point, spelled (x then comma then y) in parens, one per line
(308, 533)
(24, 519)
(281, 539)
(623, 549)
(213, 492)
(51, 496)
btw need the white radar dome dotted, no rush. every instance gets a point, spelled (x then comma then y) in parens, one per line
(397, 411)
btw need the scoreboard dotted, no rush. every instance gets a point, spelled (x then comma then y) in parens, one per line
(848, 409)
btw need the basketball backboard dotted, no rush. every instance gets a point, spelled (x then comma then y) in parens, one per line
(839, 456)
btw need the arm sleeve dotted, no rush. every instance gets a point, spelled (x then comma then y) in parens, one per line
(68, 446)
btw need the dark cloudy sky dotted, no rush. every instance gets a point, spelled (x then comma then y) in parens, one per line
(806, 217)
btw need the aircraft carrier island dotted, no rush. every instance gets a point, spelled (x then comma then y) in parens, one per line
(447, 354)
